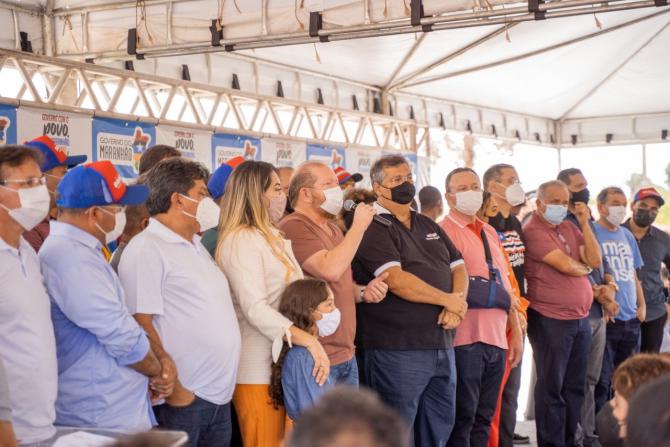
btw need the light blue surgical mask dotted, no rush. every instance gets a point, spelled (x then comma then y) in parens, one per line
(555, 214)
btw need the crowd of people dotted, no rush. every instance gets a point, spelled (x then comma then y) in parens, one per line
(248, 306)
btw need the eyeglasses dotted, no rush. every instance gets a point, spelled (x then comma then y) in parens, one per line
(113, 209)
(401, 179)
(29, 182)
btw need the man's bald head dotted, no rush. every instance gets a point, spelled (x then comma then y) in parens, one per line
(310, 174)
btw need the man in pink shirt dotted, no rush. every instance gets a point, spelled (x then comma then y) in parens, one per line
(559, 259)
(480, 341)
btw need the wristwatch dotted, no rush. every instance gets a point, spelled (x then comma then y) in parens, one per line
(362, 294)
(588, 269)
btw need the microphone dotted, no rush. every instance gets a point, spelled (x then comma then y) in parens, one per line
(350, 205)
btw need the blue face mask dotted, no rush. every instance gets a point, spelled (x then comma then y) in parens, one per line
(555, 214)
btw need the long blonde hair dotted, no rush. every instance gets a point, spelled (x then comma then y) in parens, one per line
(243, 209)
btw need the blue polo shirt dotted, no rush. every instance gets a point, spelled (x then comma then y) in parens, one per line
(620, 249)
(96, 338)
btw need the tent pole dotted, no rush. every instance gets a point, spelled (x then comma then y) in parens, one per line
(616, 69)
(445, 59)
(405, 60)
(535, 52)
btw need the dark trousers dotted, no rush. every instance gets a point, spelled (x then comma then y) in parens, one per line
(480, 368)
(622, 341)
(652, 334)
(508, 408)
(207, 424)
(560, 351)
(421, 386)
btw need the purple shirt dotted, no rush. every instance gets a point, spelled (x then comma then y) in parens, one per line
(552, 293)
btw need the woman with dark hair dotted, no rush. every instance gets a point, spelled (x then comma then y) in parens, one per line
(310, 305)
(259, 264)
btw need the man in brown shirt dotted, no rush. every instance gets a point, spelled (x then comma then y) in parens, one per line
(324, 252)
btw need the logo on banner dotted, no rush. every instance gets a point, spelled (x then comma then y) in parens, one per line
(5, 124)
(247, 151)
(123, 149)
(184, 143)
(57, 127)
(364, 162)
(140, 142)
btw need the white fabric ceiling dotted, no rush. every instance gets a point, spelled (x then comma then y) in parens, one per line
(561, 83)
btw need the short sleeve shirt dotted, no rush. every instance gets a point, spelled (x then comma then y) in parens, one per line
(179, 283)
(299, 387)
(511, 237)
(423, 250)
(479, 325)
(620, 249)
(655, 249)
(550, 292)
(307, 238)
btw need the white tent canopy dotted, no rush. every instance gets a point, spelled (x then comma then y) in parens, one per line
(497, 71)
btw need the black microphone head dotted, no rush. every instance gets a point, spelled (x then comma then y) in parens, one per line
(349, 205)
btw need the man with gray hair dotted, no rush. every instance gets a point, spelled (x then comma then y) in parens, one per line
(407, 339)
(623, 255)
(324, 252)
(559, 260)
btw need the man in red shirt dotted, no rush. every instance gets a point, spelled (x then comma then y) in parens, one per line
(481, 342)
(560, 258)
(55, 165)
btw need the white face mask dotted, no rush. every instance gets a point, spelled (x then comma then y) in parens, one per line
(328, 323)
(119, 225)
(469, 202)
(616, 216)
(33, 208)
(515, 195)
(334, 200)
(207, 214)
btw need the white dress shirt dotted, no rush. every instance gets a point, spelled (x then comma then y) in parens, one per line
(179, 283)
(27, 344)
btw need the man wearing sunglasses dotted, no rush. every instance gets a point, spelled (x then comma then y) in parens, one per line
(27, 345)
(55, 163)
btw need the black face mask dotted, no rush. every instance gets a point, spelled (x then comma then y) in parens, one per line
(644, 218)
(581, 196)
(497, 222)
(403, 194)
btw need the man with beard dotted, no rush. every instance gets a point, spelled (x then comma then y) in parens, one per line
(654, 245)
(324, 252)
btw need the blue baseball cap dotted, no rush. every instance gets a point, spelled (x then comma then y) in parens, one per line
(98, 184)
(53, 155)
(217, 182)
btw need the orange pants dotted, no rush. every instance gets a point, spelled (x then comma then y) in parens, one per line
(261, 424)
(495, 423)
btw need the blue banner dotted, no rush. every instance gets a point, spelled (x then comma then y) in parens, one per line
(332, 156)
(227, 146)
(122, 142)
(7, 124)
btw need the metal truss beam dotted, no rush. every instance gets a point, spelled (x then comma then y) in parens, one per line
(126, 94)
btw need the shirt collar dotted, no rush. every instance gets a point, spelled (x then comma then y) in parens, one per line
(652, 232)
(380, 209)
(4, 246)
(462, 222)
(71, 232)
(168, 235)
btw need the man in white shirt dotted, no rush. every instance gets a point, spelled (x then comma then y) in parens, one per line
(27, 345)
(181, 298)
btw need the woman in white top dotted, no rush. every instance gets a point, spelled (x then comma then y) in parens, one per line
(259, 264)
